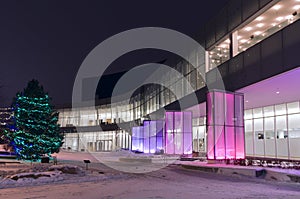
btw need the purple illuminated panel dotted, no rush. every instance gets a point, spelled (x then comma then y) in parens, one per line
(137, 139)
(146, 136)
(159, 135)
(169, 133)
(151, 139)
(225, 124)
(152, 147)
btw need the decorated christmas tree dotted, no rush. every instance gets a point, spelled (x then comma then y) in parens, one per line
(34, 131)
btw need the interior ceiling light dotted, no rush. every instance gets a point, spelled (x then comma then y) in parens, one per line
(276, 7)
(289, 17)
(238, 37)
(227, 41)
(243, 41)
(257, 33)
(260, 25)
(273, 24)
(248, 28)
(296, 7)
(259, 18)
(279, 18)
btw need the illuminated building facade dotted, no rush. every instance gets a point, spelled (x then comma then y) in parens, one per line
(253, 45)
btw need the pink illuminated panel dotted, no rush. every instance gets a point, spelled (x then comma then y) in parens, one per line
(210, 143)
(187, 133)
(178, 132)
(219, 116)
(230, 142)
(225, 136)
(219, 142)
(240, 143)
(229, 109)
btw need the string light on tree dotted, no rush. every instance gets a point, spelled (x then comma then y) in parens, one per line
(34, 131)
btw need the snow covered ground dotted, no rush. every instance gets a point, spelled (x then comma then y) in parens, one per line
(173, 181)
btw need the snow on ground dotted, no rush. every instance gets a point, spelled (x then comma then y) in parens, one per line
(171, 182)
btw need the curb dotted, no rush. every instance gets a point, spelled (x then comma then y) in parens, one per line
(261, 173)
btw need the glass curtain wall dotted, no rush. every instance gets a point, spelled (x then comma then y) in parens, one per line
(273, 131)
(97, 141)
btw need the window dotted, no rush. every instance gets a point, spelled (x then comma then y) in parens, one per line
(269, 128)
(219, 54)
(294, 125)
(281, 129)
(280, 109)
(258, 129)
(293, 107)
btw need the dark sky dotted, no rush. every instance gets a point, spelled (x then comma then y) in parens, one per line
(48, 40)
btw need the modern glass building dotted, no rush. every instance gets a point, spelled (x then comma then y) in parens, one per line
(253, 47)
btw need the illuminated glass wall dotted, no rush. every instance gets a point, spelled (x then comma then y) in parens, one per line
(149, 137)
(178, 133)
(137, 138)
(225, 135)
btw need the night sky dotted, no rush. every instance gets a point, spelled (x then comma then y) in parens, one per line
(48, 40)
